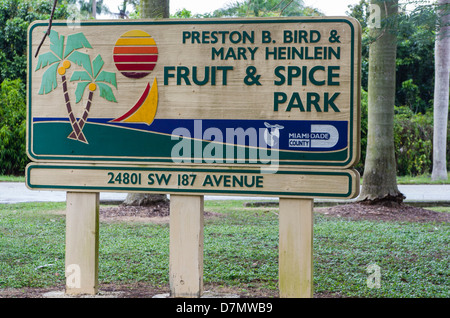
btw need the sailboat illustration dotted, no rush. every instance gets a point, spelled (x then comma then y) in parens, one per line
(144, 111)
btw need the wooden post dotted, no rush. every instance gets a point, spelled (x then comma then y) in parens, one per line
(296, 248)
(186, 246)
(82, 226)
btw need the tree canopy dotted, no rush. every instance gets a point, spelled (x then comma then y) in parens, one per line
(414, 62)
(15, 17)
(85, 7)
(415, 54)
(256, 8)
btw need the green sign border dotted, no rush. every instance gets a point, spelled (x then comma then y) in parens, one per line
(353, 156)
(258, 192)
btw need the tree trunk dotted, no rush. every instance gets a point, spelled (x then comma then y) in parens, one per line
(85, 116)
(155, 9)
(94, 9)
(144, 199)
(441, 92)
(77, 132)
(380, 171)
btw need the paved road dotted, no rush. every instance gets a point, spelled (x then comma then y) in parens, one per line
(14, 192)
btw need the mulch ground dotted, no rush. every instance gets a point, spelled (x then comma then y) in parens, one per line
(392, 212)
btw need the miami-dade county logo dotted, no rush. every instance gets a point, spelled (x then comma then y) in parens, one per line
(318, 136)
(135, 55)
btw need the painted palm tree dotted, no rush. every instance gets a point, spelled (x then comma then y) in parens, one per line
(58, 61)
(92, 78)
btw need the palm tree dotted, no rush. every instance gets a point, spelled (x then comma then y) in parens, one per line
(92, 77)
(379, 180)
(441, 92)
(64, 54)
(155, 9)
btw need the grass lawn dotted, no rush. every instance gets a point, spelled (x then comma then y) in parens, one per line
(423, 179)
(12, 178)
(240, 252)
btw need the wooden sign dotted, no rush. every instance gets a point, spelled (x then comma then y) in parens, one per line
(323, 183)
(265, 107)
(226, 93)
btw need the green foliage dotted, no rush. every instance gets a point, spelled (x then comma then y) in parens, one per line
(415, 65)
(415, 54)
(255, 8)
(413, 141)
(410, 94)
(413, 130)
(183, 14)
(13, 157)
(264, 8)
(15, 17)
(364, 122)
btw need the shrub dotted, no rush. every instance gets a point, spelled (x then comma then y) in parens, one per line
(364, 109)
(13, 158)
(413, 138)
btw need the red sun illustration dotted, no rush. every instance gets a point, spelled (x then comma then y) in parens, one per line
(135, 54)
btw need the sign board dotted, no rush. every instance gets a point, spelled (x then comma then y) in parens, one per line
(222, 93)
(323, 183)
(195, 107)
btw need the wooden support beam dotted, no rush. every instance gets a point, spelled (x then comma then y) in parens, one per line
(186, 246)
(82, 238)
(296, 248)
